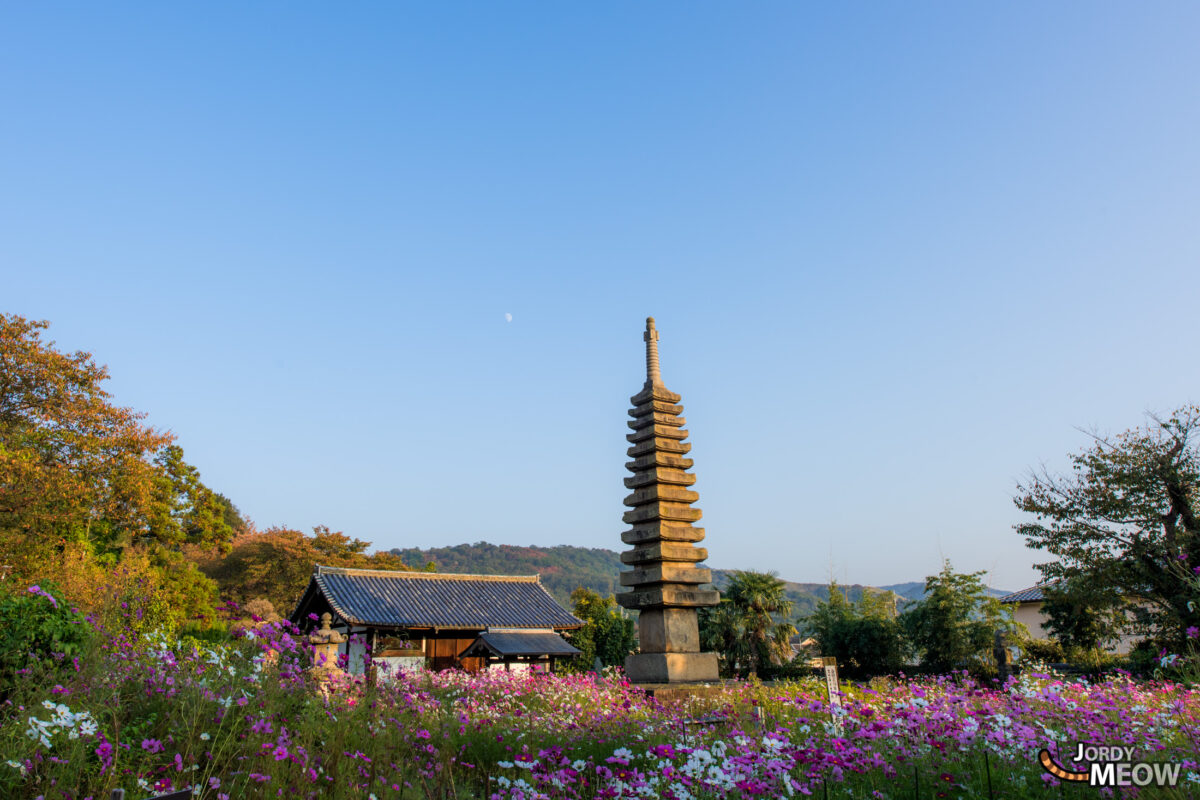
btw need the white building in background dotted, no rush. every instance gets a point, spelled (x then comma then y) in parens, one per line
(1027, 610)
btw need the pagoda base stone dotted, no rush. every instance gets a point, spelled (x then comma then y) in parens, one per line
(671, 667)
(669, 630)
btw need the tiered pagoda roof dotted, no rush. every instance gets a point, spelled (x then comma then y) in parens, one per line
(664, 554)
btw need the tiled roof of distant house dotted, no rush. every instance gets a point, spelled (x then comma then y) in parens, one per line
(379, 598)
(1031, 595)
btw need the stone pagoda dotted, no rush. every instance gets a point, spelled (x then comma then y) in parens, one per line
(664, 582)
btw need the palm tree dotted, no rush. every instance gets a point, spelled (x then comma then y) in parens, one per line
(743, 627)
(723, 631)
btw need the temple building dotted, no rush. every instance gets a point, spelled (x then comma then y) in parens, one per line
(665, 582)
(439, 621)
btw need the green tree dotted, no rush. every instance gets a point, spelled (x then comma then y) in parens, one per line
(953, 625)
(746, 630)
(1125, 519)
(865, 636)
(723, 631)
(607, 633)
(1081, 615)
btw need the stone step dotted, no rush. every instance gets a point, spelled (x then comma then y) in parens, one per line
(657, 432)
(659, 509)
(666, 572)
(657, 459)
(656, 419)
(661, 491)
(664, 551)
(655, 405)
(662, 532)
(676, 477)
(660, 444)
(668, 596)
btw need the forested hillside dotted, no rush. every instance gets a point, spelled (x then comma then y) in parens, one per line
(563, 568)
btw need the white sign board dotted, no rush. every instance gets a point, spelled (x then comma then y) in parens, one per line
(833, 689)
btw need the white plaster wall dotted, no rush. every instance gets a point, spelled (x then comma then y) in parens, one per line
(1030, 615)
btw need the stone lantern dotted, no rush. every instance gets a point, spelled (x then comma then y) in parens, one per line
(326, 643)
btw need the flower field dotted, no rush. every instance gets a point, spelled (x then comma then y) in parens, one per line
(246, 720)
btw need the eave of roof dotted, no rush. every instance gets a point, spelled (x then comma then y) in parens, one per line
(1031, 595)
(516, 645)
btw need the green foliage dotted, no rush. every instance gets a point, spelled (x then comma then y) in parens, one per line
(745, 629)
(1125, 520)
(607, 633)
(953, 626)
(38, 630)
(865, 636)
(1081, 614)
(1044, 651)
(194, 634)
(185, 510)
(723, 631)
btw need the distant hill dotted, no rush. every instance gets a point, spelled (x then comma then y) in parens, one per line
(564, 567)
(915, 590)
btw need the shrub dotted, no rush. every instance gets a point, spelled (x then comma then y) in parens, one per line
(1045, 651)
(37, 629)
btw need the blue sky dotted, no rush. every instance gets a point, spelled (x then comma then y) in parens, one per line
(897, 254)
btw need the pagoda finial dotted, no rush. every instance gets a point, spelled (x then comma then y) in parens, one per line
(653, 377)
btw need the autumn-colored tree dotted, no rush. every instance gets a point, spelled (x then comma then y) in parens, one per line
(81, 477)
(68, 457)
(276, 564)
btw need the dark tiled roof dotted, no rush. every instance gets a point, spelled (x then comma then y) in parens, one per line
(508, 643)
(1031, 595)
(431, 600)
